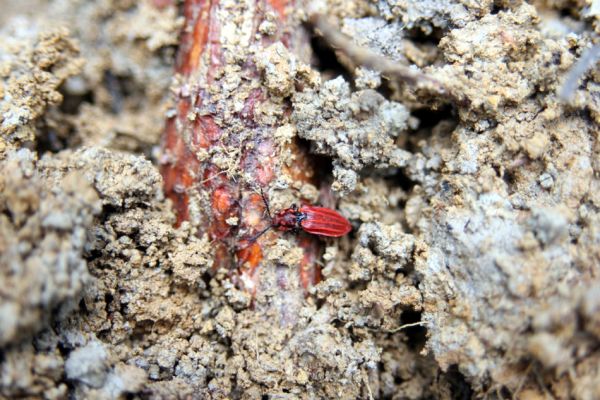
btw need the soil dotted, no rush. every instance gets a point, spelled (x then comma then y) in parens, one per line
(473, 269)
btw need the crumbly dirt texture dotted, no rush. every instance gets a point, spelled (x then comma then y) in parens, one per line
(473, 270)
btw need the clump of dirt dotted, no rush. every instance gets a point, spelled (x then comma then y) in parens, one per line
(358, 129)
(49, 235)
(76, 74)
(472, 270)
(33, 67)
(43, 238)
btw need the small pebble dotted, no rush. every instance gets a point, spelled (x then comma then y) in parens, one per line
(546, 180)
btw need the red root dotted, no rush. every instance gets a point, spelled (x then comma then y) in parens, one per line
(217, 151)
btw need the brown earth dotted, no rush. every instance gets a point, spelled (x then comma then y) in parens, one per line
(473, 270)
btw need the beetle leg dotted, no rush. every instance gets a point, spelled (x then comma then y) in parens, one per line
(259, 234)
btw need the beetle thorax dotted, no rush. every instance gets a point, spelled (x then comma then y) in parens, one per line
(287, 220)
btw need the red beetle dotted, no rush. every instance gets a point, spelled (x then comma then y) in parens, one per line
(316, 220)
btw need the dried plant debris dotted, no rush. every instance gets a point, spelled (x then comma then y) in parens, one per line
(367, 58)
(588, 59)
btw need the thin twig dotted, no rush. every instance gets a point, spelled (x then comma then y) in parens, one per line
(198, 184)
(587, 60)
(365, 57)
(366, 381)
(401, 327)
(522, 382)
(540, 382)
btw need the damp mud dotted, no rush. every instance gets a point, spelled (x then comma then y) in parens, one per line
(473, 267)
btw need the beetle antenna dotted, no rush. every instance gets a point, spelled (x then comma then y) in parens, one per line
(262, 194)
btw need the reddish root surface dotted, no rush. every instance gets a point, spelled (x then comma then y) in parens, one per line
(220, 198)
